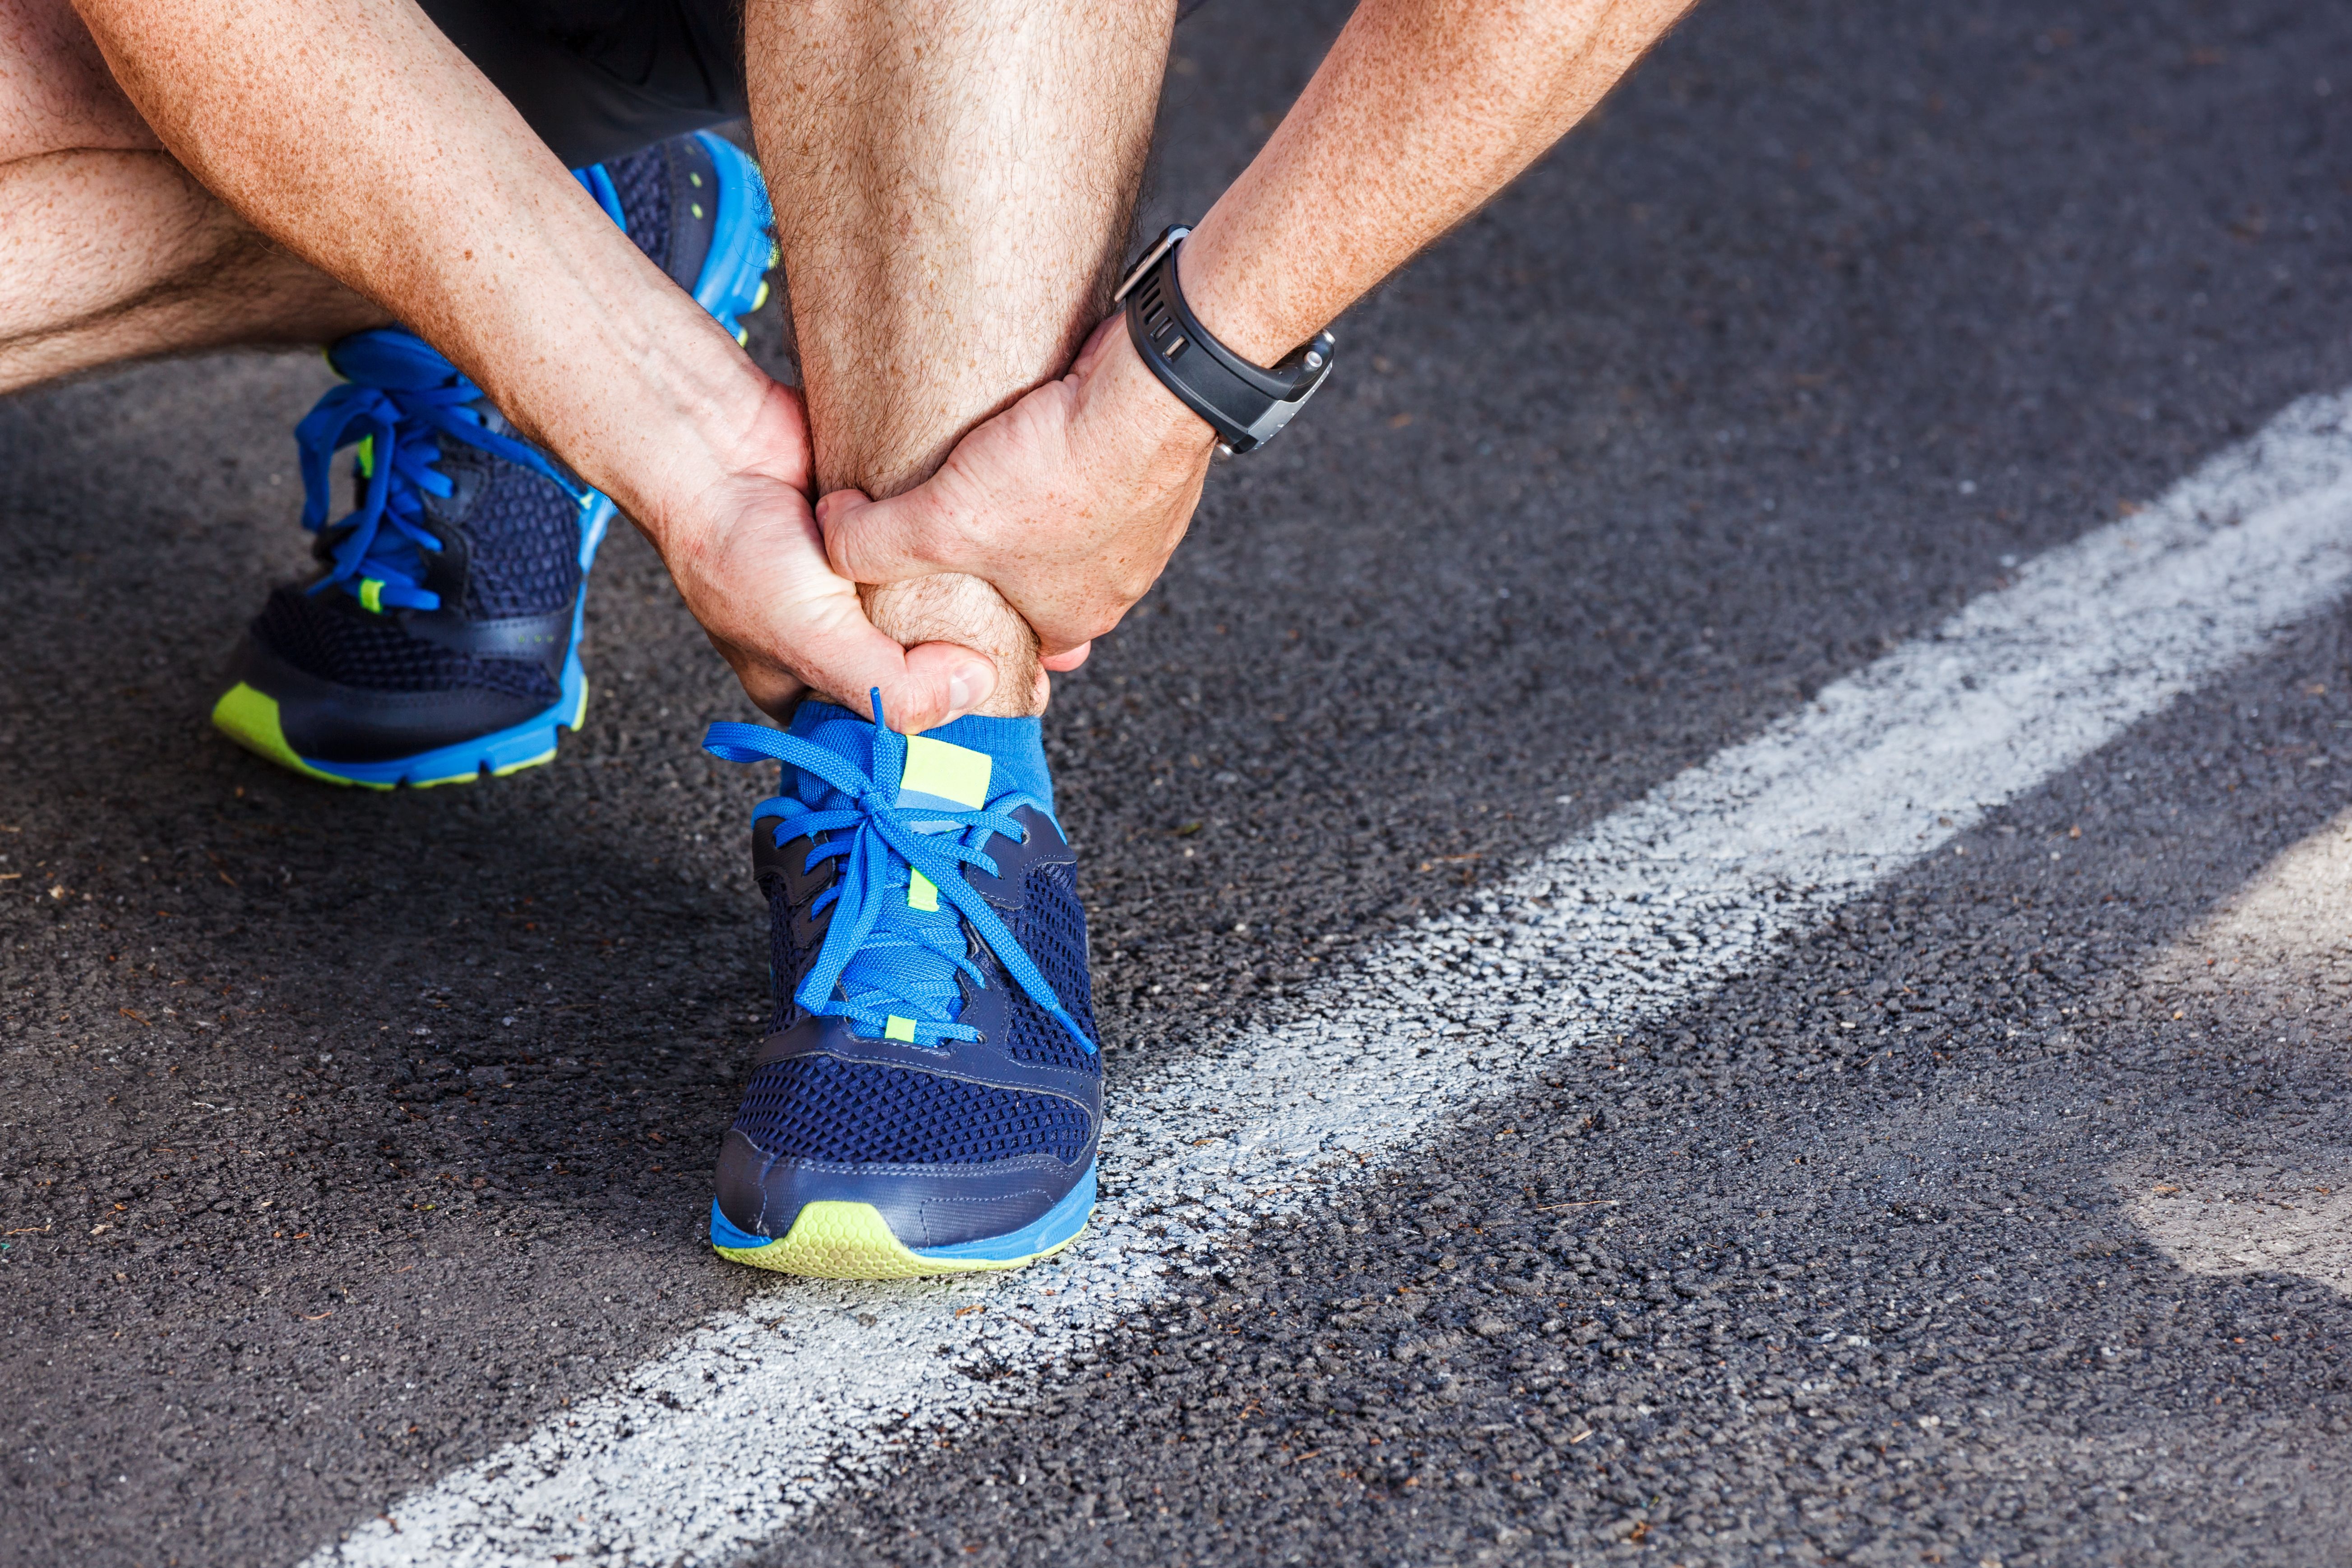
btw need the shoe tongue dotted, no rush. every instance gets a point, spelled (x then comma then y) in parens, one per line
(960, 766)
(901, 974)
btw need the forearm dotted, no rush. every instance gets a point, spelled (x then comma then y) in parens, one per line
(1420, 112)
(351, 132)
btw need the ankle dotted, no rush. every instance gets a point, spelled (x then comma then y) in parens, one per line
(970, 614)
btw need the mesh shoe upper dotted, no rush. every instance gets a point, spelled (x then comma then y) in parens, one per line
(525, 538)
(502, 543)
(641, 182)
(1051, 927)
(460, 517)
(817, 1108)
(859, 1113)
(336, 640)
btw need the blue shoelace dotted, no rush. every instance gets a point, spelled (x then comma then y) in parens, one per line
(399, 401)
(883, 962)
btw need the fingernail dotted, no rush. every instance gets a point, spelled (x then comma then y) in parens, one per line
(967, 689)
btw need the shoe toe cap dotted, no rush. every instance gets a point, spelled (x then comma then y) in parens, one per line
(925, 1207)
(327, 721)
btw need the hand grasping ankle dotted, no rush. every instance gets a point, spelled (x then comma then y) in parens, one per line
(954, 183)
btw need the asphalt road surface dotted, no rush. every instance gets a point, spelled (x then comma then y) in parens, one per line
(1984, 1204)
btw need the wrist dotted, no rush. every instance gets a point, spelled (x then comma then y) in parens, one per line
(677, 412)
(586, 345)
(1236, 295)
(1151, 417)
(1245, 401)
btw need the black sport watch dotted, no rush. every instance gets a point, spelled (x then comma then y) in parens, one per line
(1244, 402)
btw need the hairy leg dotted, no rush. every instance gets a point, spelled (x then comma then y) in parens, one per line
(954, 180)
(108, 250)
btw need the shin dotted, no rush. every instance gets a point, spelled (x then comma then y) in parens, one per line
(954, 182)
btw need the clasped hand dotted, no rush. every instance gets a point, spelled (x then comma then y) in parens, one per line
(1070, 502)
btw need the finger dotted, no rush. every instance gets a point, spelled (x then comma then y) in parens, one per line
(1107, 332)
(777, 445)
(880, 542)
(921, 688)
(1067, 659)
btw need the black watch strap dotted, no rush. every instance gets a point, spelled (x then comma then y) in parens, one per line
(1244, 402)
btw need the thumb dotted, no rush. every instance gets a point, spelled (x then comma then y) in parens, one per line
(843, 656)
(877, 542)
(943, 682)
(921, 688)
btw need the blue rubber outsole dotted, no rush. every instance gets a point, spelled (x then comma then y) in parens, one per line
(741, 245)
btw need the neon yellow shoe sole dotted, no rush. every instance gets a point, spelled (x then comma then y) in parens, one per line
(249, 716)
(834, 1239)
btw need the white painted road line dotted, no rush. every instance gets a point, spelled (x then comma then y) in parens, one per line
(720, 1442)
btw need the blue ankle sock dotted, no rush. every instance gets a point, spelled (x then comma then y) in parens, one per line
(1015, 746)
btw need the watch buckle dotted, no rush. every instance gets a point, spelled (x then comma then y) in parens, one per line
(1160, 247)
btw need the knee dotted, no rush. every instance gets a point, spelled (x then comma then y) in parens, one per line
(56, 94)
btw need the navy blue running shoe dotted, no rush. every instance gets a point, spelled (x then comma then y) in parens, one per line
(441, 635)
(928, 1098)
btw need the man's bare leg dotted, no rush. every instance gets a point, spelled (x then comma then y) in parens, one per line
(109, 250)
(954, 182)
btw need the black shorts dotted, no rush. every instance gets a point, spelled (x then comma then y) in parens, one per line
(597, 78)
